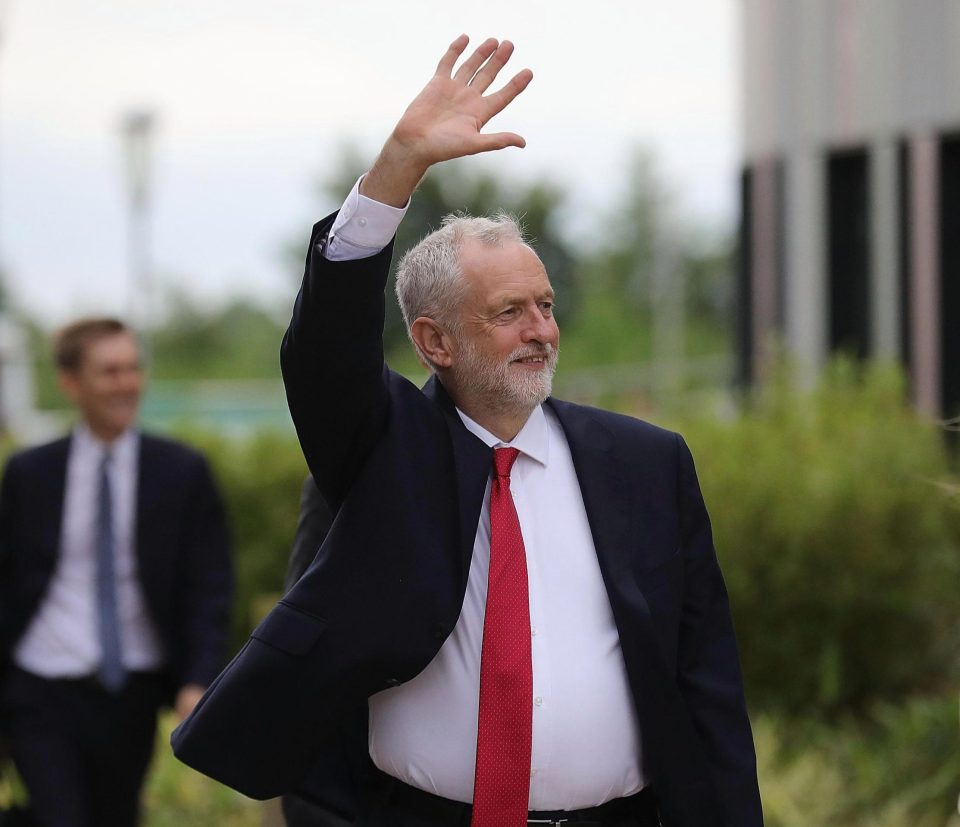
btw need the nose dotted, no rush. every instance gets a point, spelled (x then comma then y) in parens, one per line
(541, 328)
(129, 380)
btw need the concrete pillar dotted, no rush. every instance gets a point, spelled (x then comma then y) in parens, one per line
(884, 251)
(764, 261)
(805, 259)
(925, 273)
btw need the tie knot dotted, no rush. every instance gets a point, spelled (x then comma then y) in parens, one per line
(503, 459)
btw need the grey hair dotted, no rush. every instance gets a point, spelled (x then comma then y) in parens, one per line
(429, 277)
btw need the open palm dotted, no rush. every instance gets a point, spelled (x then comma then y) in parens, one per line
(445, 120)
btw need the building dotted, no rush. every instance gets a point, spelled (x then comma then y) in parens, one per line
(850, 196)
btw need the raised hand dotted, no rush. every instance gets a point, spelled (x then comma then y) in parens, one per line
(445, 120)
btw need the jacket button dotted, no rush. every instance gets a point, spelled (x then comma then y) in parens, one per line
(391, 682)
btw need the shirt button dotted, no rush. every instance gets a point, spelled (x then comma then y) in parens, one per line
(538, 701)
(362, 221)
(533, 631)
(533, 771)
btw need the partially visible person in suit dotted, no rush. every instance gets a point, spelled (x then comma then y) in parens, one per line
(313, 523)
(301, 809)
(115, 589)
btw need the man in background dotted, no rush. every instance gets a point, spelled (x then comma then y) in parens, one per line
(313, 524)
(115, 587)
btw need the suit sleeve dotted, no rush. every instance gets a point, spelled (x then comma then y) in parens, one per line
(206, 587)
(708, 664)
(333, 365)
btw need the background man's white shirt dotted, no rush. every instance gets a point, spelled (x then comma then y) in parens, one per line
(62, 639)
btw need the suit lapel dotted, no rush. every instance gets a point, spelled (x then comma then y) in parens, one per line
(621, 535)
(602, 483)
(615, 518)
(54, 480)
(473, 461)
(149, 493)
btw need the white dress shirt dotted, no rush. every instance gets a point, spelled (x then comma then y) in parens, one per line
(363, 227)
(61, 640)
(586, 737)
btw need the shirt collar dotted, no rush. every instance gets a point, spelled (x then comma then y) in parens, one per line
(120, 449)
(533, 439)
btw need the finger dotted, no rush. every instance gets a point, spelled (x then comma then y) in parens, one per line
(476, 60)
(498, 101)
(497, 140)
(492, 67)
(449, 59)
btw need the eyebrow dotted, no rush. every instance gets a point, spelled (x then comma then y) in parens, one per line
(513, 298)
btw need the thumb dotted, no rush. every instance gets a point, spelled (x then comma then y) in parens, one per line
(498, 140)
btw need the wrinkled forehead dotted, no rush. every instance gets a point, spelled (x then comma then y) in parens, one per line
(489, 269)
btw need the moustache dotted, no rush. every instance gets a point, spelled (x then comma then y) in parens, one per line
(546, 351)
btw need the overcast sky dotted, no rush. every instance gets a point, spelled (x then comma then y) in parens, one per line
(254, 98)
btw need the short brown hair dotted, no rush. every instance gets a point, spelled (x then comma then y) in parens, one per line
(71, 342)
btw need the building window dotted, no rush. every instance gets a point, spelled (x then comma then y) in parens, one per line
(848, 252)
(950, 273)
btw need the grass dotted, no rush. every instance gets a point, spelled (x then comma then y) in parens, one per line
(177, 796)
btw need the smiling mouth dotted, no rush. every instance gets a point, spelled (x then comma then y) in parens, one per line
(533, 361)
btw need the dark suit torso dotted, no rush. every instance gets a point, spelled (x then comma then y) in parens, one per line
(406, 480)
(181, 547)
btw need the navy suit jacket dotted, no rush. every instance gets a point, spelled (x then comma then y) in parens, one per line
(406, 481)
(182, 550)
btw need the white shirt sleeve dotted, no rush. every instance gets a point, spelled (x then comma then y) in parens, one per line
(362, 228)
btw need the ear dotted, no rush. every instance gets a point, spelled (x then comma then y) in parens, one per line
(68, 384)
(433, 340)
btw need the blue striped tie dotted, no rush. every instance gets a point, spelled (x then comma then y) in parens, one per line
(111, 672)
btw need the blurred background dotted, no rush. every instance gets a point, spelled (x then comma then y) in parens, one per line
(750, 210)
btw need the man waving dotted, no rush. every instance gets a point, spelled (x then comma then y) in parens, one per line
(517, 616)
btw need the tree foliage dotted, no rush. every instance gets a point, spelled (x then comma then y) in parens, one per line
(239, 340)
(643, 232)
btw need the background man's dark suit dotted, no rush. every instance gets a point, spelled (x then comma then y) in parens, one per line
(406, 480)
(182, 554)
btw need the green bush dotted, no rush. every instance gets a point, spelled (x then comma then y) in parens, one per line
(837, 527)
(898, 766)
(177, 796)
(260, 478)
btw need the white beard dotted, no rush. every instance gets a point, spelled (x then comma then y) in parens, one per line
(498, 384)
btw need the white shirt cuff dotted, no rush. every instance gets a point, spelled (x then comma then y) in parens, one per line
(362, 228)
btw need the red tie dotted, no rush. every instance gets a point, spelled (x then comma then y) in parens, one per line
(502, 784)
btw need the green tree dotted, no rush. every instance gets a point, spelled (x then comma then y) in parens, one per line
(623, 263)
(239, 340)
(644, 225)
